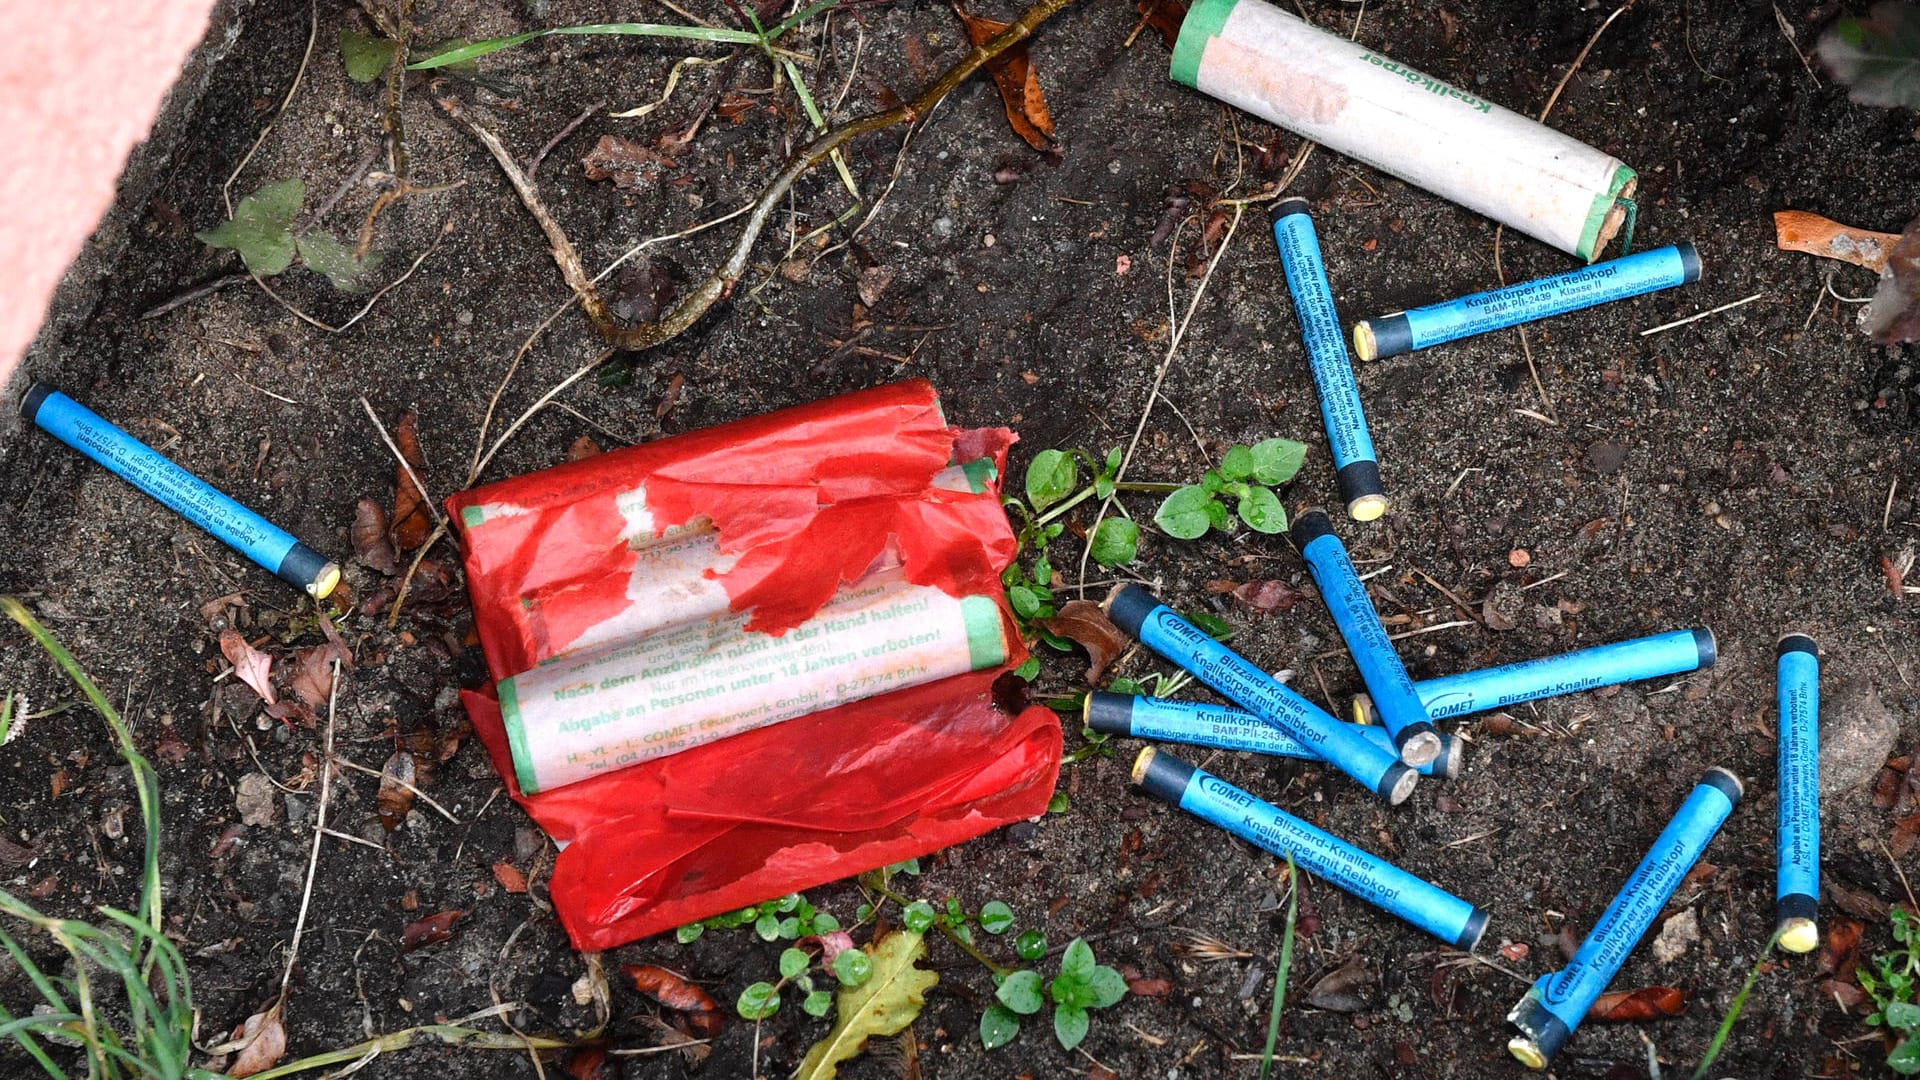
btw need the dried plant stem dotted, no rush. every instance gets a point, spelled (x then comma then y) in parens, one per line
(720, 283)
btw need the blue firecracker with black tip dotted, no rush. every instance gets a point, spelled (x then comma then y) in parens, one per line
(1223, 727)
(1558, 1001)
(1347, 434)
(1388, 683)
(1551, 676)
(1136, 611)
(1797, 670)
(1526, 301)
(1373, 879)
(186, 494)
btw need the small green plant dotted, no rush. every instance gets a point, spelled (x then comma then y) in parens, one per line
(262, 231)
(1891, 985)
(1081, 986)
(1247, 475)
(792, 918)
(1282, 969)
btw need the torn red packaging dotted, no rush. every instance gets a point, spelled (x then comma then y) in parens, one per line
(789, 507)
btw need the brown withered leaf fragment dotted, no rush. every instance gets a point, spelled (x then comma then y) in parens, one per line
(1895, 579)
(431, 930)
(266, 1043)
(14, 856)
(1084, 622)
(583, 448)
(1798, 230)
(1857, 904)
(1164, 16)
(628, 164)
(250, 665)
(1846, 995)
(1635, 1006)
(412, 521)
(394, 800)
(1019, 84)
(1345, 989)
(1011, 693)
(695, 1012)
(371, 546)
(1840, 953)
(1268, 596)
(1894, 315)
(671, 397)
(509, 877)
(590, 1063)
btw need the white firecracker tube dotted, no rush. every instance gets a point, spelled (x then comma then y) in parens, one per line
(1352, 100)
(617, 705)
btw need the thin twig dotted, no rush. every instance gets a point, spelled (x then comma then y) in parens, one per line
(313, 34)
(424, 797)
(426, 499)
(1702, 315)
(319, 830)
(219, 283)
(533, 167)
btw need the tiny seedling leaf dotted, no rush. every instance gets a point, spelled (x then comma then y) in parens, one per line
(917, 916)
(1877, 58)
(818, 1003)
(884, 1004)
(1077, 963)
(852, 967)
(1905, 1058)
(1030, 945)
(793, 962)
(1021, 992)
(325, 255)
(759, 1001)
(1275, 461)
(364, 55)
(1904, 1015)
(1069, 1025)
(998, 1026)
(1051, 477)
(689, 933)
(1029, 670)
(1260, 508)
(1115, 542)
(1105, 986)
(1059, 804)
(1026, 603)
(1183, 515)
(996, 917)
(1238, 464)
(259, 228)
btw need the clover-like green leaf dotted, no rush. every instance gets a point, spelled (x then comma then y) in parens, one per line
(260, 228)
(757, 1002)
(364, 55)
(1184, 515)
(1238, 464)
(1106, 986)
(325, 255)
(1030, 945)
(852, 967)
(793, 962)
(996, 917)
(1115, 542)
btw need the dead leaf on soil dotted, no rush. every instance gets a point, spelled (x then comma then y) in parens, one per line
(628, 164)
(431, 930)
(583, 448)
(1858, 904)
(1085, 623)
(702, 1018)
(265, 1039)
(369, 534)
(1874, 57)
(1345, 989)
(1798, 230)
(1019, 84)
(395, 799)
(253, 667)
(1268, 596)
(1840, 953)
(590, 1063)
(313, 671)
(509, 877)
(1894, 315)
(14, 856)
(1164, 16)
(412, 521)
(1636, 1006)
(831, 944)
(216, 611)
(873, 282)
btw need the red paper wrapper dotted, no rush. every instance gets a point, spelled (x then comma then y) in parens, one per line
(805, 499)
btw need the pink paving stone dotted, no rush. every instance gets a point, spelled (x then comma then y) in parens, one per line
(80, 84)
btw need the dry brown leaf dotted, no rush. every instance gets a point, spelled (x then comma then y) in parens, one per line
(690, 1003)
(1840, 954)
(313, 674)
(590, 1063)
(412, 521)
(509, 877)
(371, 546)
(583, 448)
(1798, 230)
(1268, 596)
(253, 667)
(628, 164)
(1019, 85)
(395, 799)
(266, 1043)
(1164, 16)
(1345, 989)
(1084, 622)
(1635, 1006)
(431, 930)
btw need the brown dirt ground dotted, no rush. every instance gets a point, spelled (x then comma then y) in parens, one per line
(1759, 450)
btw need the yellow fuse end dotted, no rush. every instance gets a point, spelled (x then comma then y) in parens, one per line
(1367, 507)
(324, 582)
(1364, 345)
(1799, 935)
(1523, 1049)
(1141, 763)
(1362, 709)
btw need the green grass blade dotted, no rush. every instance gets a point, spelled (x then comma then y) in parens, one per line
(21, 1031)
(34, 974)
(1733, 1012)
(803, 16)
(462, 53)
(820, 125)
(1281, 971)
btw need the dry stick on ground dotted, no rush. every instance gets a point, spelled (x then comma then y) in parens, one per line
(425, 499)
(720, 283)
(313, 34)
(1500, 232)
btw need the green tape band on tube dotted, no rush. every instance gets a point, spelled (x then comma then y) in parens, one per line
(517, 738)
(1203, 22)
(986, 635)
(1597, 214)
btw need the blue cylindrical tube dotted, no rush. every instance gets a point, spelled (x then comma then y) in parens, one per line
(1388, 683)
(1224, 727)
(1266, 826)
(1798, 884)
(1359, 471)
(1559, 1000)
(1159, 628)
(1526, 301)
(186, 494)
(1551, 676)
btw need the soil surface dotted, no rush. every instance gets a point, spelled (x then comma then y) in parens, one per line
(1750, 472)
